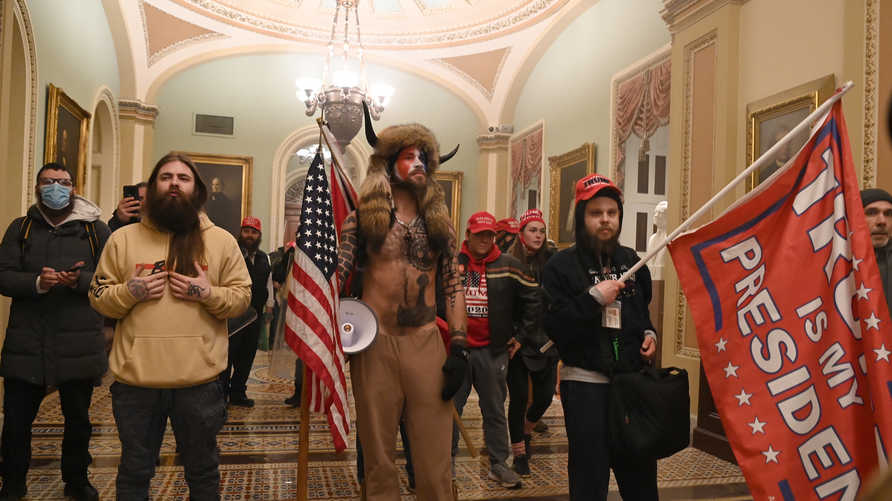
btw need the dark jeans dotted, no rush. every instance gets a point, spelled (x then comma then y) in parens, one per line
(197, 414)
(518, 390)
(21, 401)
(410, 471)
(585, 415)
(242, 348)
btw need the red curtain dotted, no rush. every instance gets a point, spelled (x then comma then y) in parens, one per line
(642, 105)
(526, 162)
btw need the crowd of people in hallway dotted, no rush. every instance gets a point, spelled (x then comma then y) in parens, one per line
(173, 305)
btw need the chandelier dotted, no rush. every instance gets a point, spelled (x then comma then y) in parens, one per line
(343, 86)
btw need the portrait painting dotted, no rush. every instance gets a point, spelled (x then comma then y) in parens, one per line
(67, 131)
(524, 184)
(450, 182)
(566, 170)
(772, 118)
(228, 180)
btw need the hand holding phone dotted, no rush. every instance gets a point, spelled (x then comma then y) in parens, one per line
(70, 276)
(128, 207)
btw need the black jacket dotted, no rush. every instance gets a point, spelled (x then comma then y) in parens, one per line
(259, 272)
(573, 317)
(533, 340)
(884, 260)
(56, 336)
(513, 300)
(114, 223)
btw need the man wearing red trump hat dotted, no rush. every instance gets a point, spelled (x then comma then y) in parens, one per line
(600, 326)
(502, 302)
(243, 344)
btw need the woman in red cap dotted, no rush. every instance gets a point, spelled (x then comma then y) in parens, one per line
(532, 250)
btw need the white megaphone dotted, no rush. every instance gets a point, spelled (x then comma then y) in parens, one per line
(358, 325)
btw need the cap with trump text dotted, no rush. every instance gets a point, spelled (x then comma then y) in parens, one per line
(481, 221)
(251, 222)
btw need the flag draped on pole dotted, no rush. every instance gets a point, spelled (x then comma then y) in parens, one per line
(311, 327)
(793, 327)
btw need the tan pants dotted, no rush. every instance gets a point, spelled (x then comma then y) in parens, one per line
(402, 376)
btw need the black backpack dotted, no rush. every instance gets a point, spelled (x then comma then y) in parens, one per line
(649, 413)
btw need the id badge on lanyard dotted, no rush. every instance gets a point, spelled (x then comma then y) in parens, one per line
(612, 316)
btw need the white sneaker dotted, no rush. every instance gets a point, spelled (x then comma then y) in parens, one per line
(505, 476)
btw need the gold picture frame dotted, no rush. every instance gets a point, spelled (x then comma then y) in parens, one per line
(566, 169)
(67, 134)
(235, 172)
(451, 182)
(767, 120)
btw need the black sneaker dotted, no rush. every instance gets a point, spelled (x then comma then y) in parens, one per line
(293, 400)
(10, 493)
(241, 401)
(540, 427)
(522, 465)
(82, 492)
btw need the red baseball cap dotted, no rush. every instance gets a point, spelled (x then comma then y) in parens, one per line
(509, 225)
(530, 216)
(251, 222)
(591, 185)
(482, 221)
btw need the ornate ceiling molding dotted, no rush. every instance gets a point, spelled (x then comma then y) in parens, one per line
(517, 16)
(480, 70)
(165, 33)
(134, 109)
(871, 98)
(680, 14)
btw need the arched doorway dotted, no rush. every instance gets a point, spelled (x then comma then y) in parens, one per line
(291, 160)
(102, 185)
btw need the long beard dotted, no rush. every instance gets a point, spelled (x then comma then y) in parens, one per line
(176, 215)
(602, 249)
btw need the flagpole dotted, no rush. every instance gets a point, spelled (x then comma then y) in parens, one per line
(762, 160)
(303, 444)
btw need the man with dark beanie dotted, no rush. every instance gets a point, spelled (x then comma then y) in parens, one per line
(600, 326)
(878, 213)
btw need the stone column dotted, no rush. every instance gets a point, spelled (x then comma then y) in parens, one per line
(137, 133)
(493, 168)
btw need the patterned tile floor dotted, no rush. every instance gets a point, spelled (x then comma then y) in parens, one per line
(259, 457)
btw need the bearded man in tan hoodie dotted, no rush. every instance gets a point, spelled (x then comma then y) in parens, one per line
(171, 281)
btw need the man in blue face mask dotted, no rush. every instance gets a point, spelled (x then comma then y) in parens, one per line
(54, 338)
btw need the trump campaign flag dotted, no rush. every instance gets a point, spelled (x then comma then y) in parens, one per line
(793, 328)
(311, 327)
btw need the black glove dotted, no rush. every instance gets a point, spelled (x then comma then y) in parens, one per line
(454, 370)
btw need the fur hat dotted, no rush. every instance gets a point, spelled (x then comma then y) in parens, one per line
(376, 198)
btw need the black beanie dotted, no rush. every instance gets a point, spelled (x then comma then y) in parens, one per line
(872, 195)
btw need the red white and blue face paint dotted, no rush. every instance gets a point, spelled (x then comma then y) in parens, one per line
(410, 162)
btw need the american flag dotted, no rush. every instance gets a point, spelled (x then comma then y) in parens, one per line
(311, 327)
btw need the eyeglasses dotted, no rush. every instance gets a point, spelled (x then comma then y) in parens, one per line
(46, 181)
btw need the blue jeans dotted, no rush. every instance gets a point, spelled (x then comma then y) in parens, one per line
(197, 414)
(589, 460)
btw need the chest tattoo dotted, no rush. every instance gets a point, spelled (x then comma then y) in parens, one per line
(416, 246)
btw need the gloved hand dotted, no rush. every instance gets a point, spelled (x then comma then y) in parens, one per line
(454, 370)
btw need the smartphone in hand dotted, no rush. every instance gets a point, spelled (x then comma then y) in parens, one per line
(130, 190)
(76, 266)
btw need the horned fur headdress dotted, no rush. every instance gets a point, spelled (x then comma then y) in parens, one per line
(376, 214)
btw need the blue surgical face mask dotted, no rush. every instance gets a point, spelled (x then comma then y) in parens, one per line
(55, 196)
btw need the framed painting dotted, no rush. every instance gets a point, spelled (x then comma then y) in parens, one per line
(450, 182)
(228, 179)
(67, 132)
(566, 169)
(770, 119)
(527, 160)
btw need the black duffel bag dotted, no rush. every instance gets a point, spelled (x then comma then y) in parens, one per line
(649, 413)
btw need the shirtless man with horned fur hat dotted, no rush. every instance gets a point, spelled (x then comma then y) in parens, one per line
(402, 242)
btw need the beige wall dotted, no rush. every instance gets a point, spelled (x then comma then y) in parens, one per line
(785, 44)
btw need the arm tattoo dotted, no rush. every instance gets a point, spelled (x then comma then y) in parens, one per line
(449, 275)
(458, 337)
(348, 248)
(137, 288)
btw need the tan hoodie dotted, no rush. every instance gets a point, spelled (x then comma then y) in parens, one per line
(169, 342)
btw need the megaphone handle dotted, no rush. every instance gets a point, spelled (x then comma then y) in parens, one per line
(464, 432)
